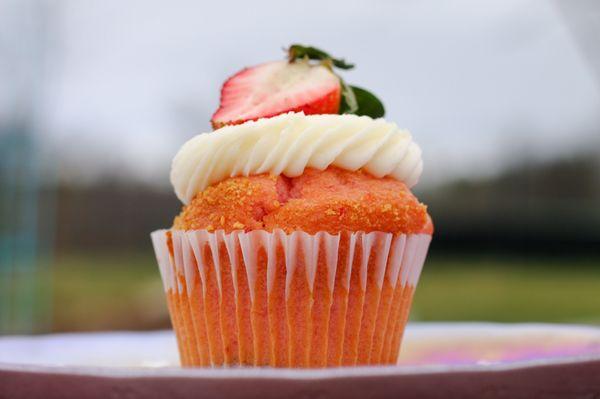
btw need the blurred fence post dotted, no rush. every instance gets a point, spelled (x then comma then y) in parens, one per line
(25, 284)
(24, 303)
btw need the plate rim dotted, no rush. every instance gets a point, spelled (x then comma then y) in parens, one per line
(265, 373)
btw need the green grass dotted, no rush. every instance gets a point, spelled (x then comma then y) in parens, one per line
(123, 291)
(108, 291)
(509, 290)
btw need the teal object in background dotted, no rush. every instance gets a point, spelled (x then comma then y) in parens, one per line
(24, 304)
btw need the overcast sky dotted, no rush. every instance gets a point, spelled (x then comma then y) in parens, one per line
(122, 84)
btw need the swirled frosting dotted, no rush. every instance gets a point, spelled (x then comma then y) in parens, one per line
(288, 143)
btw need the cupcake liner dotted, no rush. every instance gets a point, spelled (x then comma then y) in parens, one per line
(288, 300)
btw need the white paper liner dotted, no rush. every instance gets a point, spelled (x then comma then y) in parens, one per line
(201, 257)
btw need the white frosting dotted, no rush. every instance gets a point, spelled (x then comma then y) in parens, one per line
(288, 143)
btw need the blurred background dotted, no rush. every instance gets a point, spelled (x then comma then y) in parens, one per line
(97, 96)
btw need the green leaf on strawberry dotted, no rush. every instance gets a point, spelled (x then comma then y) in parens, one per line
(366, 103)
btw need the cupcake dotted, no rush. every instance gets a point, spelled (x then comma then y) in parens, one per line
(299, 243)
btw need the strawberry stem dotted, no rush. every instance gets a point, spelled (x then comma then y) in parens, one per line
(296, 51)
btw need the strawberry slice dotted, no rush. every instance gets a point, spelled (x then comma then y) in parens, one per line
(277, 87)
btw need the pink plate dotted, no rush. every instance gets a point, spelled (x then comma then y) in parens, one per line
(439, 360)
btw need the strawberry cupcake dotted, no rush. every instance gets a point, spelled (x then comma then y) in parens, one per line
(299, 243)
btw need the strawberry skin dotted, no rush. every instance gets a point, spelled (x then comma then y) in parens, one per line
(277, 87)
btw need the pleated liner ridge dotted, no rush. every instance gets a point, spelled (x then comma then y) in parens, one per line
(289, 300)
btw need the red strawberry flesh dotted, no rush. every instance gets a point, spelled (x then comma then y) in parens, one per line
(277, 87)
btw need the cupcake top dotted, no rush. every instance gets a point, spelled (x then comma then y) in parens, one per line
(290, 143)
(331, 200)
(295, 148)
